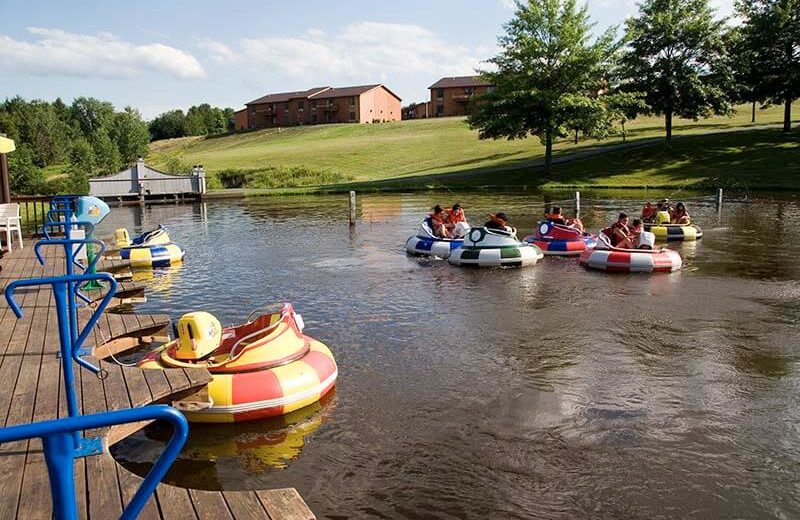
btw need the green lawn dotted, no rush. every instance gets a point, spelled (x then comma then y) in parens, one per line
(412, 148)
(755, 159)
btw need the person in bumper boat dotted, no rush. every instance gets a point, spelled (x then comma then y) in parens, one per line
(455, 221)
(438, 222)
(679, 215)
(557, 217)
(649, 212)
(499, 222)
(621, 235)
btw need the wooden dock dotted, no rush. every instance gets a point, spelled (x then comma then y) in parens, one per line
(31, 390)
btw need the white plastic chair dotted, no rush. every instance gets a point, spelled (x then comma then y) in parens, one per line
(10, 221)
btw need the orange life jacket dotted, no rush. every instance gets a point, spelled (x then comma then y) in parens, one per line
(454, 217)
(648, 213)
(436, 218)
(677, 215)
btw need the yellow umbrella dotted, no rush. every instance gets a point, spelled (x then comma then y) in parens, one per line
(6, 145)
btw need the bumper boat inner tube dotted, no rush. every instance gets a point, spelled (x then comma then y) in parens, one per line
(485, 247)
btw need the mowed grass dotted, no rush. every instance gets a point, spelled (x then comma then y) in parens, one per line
(402, 149)
(750, 160)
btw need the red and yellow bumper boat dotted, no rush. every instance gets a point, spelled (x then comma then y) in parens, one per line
(263, 368)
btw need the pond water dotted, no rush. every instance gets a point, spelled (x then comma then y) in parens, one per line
(543, 392)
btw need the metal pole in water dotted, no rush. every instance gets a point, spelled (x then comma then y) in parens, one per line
(719, 199)
(577, 204)
(352, 208)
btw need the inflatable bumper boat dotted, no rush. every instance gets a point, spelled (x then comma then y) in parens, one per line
(263, 368)
(426, 244)
(606, 257)
(675, 231)
(151, 249)
(485, 247)
(557, 239)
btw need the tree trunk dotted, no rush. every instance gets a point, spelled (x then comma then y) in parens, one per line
(623, 131)
(668, 124)
(548, 151)
(753, 120)
(787, 114)
(576, 136)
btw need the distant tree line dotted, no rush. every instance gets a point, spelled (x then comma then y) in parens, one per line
(199, 120)
(60, 146)
(70, 142)
(553, 78)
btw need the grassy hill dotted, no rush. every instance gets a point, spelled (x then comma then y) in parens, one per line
(334, 154)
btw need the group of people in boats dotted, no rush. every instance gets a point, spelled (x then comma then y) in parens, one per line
(448, 223)
(677, 214)
(624, 233)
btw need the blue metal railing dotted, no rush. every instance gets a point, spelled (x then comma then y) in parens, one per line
(60, 456)
(69, 337)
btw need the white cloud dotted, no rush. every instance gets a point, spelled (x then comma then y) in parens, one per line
(509, 4)
(59, 53)
(360, 51)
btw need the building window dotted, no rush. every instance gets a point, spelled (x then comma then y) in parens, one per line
(286, 106)
(490, 88)
(352, 116)
(314, 118)
(468, 91)
(440, 93)
(352, 101)
(301, 105)
(439, 110)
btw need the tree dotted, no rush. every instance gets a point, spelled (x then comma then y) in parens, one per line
(24, 176)
(130, 134)
(742, 63)
(106, 153)
(674, 52)
(91, 114)
(168, 125)
(548, 75)
(772, 34)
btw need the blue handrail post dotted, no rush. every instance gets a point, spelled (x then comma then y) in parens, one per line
(66, 339)
(60, 458)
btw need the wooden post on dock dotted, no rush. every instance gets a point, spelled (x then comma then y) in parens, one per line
(352, 208)
(719, 199)
(577, 204)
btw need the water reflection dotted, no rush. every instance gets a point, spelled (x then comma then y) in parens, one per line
(225, 452)
(546, 392)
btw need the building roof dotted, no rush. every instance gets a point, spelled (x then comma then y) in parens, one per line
(280, 97)
(461, 81)
(350, 91)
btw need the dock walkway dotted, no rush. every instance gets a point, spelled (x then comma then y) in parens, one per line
(31, 390)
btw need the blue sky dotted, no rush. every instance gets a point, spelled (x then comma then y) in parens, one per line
(159, 55)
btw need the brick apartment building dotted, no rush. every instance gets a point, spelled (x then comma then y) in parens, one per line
(416, 110)
(360, 104)
(451, 96)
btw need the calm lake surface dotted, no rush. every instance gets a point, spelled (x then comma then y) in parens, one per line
(543, 392)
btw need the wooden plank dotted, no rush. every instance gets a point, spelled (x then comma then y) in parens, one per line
(245, 505)
(103, 493)
(138, 391)
(285, 504)
(35, 498)
(209, 505)
(129, 483)
(177, 379)
(175, 503)
(116, 393)
(157, 381)
(197, 376)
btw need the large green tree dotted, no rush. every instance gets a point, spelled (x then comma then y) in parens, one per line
(675, 51)
(547, 76)
(771, 31)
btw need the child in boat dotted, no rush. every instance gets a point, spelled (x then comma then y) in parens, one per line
(679, 215)
(664, 205)
(456, 222)
(621, 236)
(649, 213)
(636, 230)
(499, 222)
(557, 217)
(438, 226)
